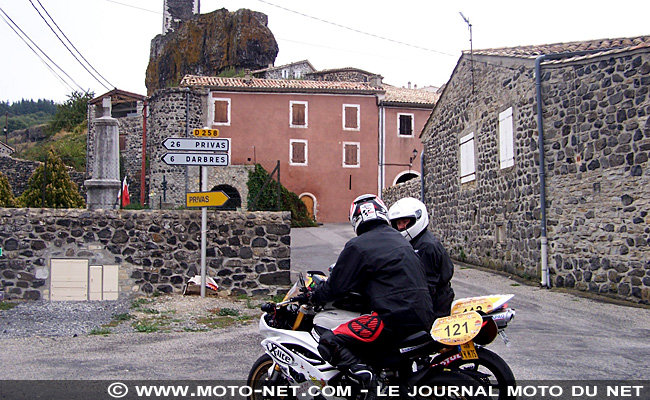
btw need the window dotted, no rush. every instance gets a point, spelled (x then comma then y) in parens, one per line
(220, 111)
(298, 152)
(351, 114)
(467, 167)
(351, 155)
(298, 114)
(506, 139)
(405, 124)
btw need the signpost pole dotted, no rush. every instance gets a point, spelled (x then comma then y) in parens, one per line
(204, 228)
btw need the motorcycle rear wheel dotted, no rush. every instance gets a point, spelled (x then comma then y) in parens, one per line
(258, 377)
(449, 385)
(489, 370)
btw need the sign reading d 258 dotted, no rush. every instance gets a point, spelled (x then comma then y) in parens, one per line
(206, 132)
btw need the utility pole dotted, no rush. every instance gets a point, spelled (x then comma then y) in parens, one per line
(6, 128)
(471, 48)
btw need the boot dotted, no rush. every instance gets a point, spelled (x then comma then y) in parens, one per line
(363, 375)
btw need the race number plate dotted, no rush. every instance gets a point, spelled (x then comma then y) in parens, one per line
(483, 304)
(457, 329)
(468, 351)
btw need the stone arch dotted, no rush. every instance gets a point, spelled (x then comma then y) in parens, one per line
(234, 201)
(405, 176)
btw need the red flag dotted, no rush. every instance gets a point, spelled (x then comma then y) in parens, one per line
(124, 194)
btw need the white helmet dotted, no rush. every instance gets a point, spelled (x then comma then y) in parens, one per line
(366, 208)
(414, 209)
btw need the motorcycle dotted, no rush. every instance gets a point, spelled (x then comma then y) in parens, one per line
(292, 367)
(473, 358)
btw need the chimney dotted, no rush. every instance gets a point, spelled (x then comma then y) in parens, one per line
(376, 81)
(247, 75)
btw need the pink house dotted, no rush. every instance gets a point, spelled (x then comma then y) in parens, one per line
(334, 140)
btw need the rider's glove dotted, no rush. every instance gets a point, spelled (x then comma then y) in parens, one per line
(304, 297)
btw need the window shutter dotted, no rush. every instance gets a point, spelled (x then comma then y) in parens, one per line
(351, 117)
(221, 111)
(351, 154)
(506, 139)
(405, 125)
(298, 152)
(467, 167)
(298, 114)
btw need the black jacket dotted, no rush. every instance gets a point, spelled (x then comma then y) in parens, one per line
(382, 266)
(439, 270)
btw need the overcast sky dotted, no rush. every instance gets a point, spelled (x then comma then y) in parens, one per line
(405, 41)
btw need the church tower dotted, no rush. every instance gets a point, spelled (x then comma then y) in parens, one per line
(175, 12)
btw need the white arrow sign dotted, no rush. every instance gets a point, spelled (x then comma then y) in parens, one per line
(202, 159)
(197, 144)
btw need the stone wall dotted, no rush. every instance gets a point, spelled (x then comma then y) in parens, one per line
(410, 188)
(597, 143)
(247, 253)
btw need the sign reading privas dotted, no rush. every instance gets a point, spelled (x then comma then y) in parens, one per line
(201, 159)
(206, 199)
(197, 144)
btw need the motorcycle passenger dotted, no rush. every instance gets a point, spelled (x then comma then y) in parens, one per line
(381, 266)
(409, 216)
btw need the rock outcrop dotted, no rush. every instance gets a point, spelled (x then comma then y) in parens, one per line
(209, 44)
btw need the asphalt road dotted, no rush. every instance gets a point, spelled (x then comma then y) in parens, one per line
(555, 335)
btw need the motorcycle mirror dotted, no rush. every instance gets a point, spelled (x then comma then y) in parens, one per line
(301, 280)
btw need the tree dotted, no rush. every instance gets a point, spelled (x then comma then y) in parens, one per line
(268, 200)
(71, 113)
(7, 198)
(60, 191)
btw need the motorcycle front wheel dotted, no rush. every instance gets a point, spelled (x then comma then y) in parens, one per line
(489, 370)
(263, 374)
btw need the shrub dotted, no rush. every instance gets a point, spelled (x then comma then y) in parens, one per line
(268, 200)
(60, 191)
(7, 198)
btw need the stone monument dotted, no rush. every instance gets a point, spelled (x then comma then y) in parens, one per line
(104, 186)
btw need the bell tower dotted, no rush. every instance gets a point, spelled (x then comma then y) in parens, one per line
(175, 12)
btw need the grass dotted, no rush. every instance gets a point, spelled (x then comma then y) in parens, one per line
(100, 331)
(217, 321)
(5, 305)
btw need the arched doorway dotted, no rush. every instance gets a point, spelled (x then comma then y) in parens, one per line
(405, 177)
(310, 203)
(234, 200)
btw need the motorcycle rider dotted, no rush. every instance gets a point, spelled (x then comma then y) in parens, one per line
(381, 266)
(409, 216)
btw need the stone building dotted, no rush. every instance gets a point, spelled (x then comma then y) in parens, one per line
(482, 163)
(295, 70)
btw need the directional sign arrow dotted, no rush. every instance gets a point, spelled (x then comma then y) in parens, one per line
(206, 199)
(197, 144)
(202, 159)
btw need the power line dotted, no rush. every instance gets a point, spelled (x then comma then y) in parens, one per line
(129, 5)
(35, 52)
(57, 26)
(355, 30)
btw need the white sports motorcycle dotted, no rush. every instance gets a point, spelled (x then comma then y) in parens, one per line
(292, 367)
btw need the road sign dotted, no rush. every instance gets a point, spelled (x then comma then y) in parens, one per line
(197, 144)
(206, 199)
(206, 132)
(202, 159)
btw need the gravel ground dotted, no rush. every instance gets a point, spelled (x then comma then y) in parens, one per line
(167, 313)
